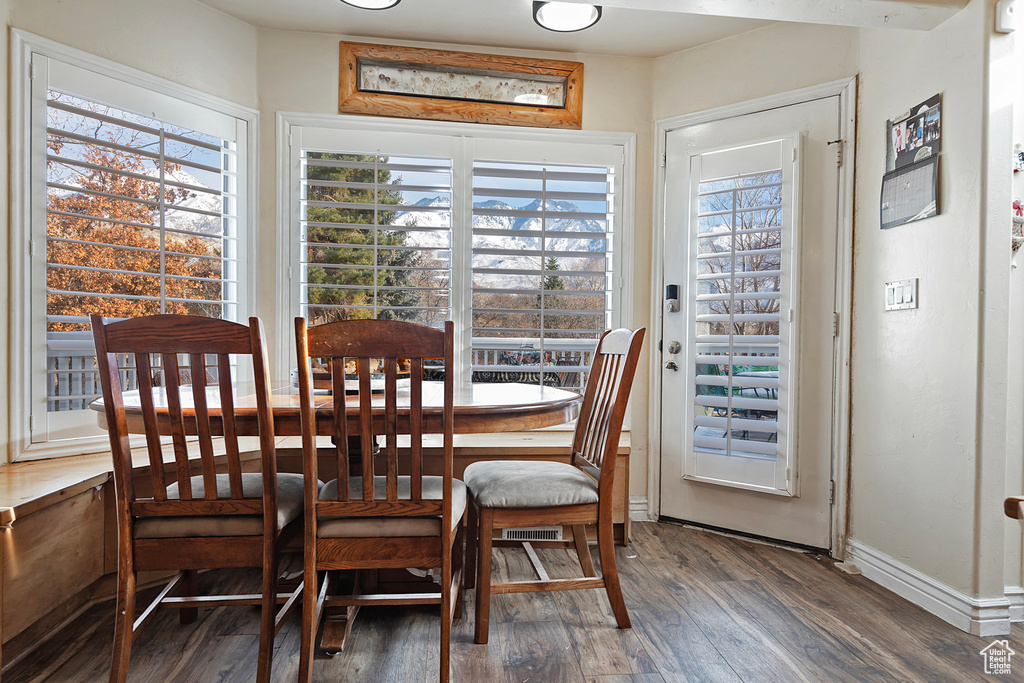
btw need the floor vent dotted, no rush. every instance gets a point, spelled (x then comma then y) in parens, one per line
(533, 533)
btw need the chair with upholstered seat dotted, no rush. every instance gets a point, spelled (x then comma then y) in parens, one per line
(380, 513)
(512, 494)
(207, 518)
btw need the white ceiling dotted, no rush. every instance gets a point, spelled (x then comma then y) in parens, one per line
(492, 23)
(641, 28)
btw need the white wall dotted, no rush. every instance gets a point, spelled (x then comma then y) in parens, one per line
(917, 393)
(180, 40)
(764, 62)
(5, 300)
(298, 72)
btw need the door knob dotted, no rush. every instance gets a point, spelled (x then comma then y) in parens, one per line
(674, 347)
(671, 365)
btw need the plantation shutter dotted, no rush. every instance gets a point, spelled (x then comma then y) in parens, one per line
(376, 236)
(739, 284)
(542, 267)
(142, 217)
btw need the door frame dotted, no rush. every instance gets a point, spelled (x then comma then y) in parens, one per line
(846, 89)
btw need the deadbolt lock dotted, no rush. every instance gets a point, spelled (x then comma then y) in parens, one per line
(674, 347)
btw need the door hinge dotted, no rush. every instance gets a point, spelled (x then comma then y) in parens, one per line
(664, 159)
(835, 324)
(31, 423)
(831, 492)
(788, 478)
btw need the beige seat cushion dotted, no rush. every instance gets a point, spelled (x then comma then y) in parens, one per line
(386, 527)
(289, 507)
(518, 484)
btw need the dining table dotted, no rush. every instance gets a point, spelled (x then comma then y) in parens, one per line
(479, 408)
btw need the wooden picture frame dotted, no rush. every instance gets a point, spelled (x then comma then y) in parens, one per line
(420, 83)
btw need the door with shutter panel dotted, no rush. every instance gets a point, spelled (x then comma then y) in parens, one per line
(751, 229)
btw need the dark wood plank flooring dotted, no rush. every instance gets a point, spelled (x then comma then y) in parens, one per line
(705, 607)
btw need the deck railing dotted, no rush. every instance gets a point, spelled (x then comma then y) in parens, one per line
(72, 379)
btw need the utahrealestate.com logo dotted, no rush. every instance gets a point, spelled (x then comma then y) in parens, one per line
(997, 657)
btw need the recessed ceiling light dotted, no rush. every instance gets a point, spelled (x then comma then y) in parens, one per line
(565, 17)
(372, 4)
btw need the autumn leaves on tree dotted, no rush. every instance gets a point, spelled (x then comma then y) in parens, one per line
(105, 250)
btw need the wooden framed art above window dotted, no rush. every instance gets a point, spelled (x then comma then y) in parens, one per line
(419, 83)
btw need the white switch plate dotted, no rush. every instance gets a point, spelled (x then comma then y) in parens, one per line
(900, 294)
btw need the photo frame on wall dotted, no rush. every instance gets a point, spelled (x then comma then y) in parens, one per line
(915, 135)
(405, 82)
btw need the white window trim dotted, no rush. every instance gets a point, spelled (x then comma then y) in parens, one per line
(23, 45)
(288, 207)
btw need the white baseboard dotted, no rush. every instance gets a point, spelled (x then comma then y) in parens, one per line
(1015, 594)
(982, 617)
(639, 509)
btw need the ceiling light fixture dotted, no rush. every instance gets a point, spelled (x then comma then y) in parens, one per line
(565, 17)
(372, 4)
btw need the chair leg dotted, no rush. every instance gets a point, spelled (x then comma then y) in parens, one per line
(268, 613)
(459, 563)
(189, 587)
(446, 615)
(606, 546)
(483, 576)
(579, 538)
(472, 523)
(123, 622)
(310, 621)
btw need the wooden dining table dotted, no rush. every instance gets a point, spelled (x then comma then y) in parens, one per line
(479, 408)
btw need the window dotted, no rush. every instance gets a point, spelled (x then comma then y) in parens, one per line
(541, 269)
(740, 282)
(515, 235)
(375, 237)
(136, 206)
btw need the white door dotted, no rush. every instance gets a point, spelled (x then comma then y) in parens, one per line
(747, 361)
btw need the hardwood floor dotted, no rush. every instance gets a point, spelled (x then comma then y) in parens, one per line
(704, 607)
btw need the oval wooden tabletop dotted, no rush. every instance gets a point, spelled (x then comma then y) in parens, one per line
(479, 407)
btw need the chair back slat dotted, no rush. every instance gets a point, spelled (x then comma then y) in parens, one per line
(384, 409)
(189, 396)
(340, 426)
(416, 426)
(366, 437)
(599, 425)
(197, 366)
(169, 362)
(391, 428)
(227, 407)
(144, 372)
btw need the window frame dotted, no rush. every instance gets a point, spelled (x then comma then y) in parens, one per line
(468, 141)
(26, 249)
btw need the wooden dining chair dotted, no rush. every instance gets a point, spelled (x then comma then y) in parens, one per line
(379, 513)
(513, 494)
(208, 520)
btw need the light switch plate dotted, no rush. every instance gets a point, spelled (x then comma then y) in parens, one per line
(900, 294)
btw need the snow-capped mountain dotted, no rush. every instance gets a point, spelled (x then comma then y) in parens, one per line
(587, 236)
(183, 216)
